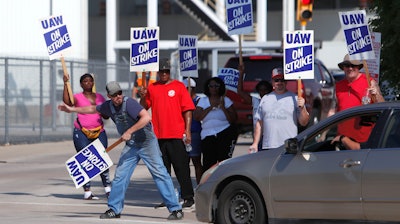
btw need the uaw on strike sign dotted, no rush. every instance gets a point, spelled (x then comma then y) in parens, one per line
(56, 36)
(356, 32)
(239, 15)
(144, 49)
(88, 163)
(230, 77)
(188, 55)
(299, 54)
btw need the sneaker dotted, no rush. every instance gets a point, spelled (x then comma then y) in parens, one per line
(108, 194)
(92, 197)
(162, 204)
(176, 215)
(188, 203)
(109, 214)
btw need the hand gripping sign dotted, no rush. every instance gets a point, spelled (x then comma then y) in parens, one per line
(89, 162)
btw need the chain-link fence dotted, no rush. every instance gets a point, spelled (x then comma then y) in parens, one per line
(32, 89)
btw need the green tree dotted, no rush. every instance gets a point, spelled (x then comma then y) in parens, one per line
(387, 22)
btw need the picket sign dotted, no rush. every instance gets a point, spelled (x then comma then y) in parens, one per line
(90, 162)
(239, 20)
(358, 38)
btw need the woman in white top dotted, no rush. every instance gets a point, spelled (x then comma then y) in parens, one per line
(217, 114)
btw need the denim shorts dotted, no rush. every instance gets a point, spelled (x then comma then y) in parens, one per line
(196, 145)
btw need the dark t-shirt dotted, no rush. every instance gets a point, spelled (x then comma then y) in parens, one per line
(133, 108)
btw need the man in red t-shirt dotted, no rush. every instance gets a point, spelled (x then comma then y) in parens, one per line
(171, 108)
(355, 91)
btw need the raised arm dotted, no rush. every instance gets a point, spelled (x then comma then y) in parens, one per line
(244, 95)
(66, 98)
(304, 116)
(143, 93)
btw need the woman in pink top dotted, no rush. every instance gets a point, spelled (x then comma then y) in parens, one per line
(89, 121)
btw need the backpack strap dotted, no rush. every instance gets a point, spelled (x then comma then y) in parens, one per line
(79, 123)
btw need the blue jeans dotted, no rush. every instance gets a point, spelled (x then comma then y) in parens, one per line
(149, 151)
(80, 142)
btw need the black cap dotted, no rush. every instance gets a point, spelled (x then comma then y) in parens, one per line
(165, 64)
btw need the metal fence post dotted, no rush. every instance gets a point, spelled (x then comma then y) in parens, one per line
(41, 101)
(6, 106)
(53, 93)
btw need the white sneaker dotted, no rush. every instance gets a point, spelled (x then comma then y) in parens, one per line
(89, 196)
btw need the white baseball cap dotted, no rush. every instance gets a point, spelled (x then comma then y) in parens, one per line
(192, 83)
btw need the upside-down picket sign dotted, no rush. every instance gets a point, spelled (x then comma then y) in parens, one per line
(89, 162)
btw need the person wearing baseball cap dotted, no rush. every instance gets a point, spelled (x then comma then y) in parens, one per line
(278, 114)
(354, 90)
(133, 123)
(192, 83)
(113, 89)
(172, 111)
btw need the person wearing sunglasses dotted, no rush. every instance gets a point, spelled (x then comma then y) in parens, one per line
(88, 127)
(217, 116)
(278, 115)
(133, 123)
(354, 90)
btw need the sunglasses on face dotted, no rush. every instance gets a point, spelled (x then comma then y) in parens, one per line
(119, 93)
(164, 71)
(279, 80)
(213, 86)
(350, 66)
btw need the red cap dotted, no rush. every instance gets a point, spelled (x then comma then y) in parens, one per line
(277, 73)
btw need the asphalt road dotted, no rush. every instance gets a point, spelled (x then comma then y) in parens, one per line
(35, 188)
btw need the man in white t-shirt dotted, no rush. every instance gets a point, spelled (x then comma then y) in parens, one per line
(278, 114)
